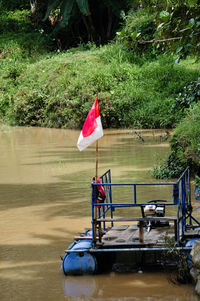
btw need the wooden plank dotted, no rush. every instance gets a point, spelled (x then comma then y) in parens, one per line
(133, 236)
(120, 235)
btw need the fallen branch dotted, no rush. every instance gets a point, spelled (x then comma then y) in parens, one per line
(157, 41)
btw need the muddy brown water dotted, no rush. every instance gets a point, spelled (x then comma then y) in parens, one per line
(45, 201)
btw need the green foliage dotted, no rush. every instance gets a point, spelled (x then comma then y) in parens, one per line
(185, 147)
(29, 110)
(83, 6)
(97, 18)
(65, 11)
(23, 46)
(18, 39)
(57, 90)
(182, 20)
(138, 25)
(196, 182)
(186, 136)
(169, 168)
(51, 5)
(15, 21)
(14, 4)
(182, 274)
(190, 94)
(168, 26)
(115, 5)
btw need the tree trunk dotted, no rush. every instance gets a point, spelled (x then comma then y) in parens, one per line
(38, 9)
(92, 36)
(110, 19)
(33, 4)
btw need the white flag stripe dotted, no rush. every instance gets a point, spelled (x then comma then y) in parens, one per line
(84, 142)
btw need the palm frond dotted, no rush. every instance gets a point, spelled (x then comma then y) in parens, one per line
(51, 5)
(114, 5)
(83, 6)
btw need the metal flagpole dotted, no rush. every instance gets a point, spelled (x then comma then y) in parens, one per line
(95, 209)
(96, 159)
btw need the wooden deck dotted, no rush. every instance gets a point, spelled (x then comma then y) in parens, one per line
(130, 235)
(133, 234)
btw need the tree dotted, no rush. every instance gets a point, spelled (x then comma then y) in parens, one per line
(171, 24)
(181, 21)
(38, 9)
(94, 21)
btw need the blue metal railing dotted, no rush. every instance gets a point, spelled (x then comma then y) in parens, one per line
(181, 197)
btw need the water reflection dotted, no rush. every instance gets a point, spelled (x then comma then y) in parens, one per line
(136, 287)
(79, 287)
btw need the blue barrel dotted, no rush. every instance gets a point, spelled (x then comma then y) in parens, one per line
(81, 262)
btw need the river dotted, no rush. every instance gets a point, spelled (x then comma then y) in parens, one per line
(45, 202)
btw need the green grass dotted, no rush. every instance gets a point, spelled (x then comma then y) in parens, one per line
(57, 89)
(18, 39)
(41, 87)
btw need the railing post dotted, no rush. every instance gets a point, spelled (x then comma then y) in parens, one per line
(94, 215)
(176, 193)
(92, 203)
(189, 195)
(110, 194)
(183, 204)
(135, 200)
(178, 225)
(105, 189)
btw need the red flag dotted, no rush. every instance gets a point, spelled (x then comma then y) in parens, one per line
(92, 128)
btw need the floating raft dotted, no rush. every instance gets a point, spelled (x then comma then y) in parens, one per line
(138, 241)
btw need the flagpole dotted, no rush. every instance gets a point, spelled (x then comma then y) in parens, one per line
(96, 158)
(95, 209)
(92, 130)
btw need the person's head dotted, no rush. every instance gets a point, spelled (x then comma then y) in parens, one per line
(96, 180)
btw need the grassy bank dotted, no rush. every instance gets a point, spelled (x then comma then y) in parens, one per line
(57, 89)
(40, 86)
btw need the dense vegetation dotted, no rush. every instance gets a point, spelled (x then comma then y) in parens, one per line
(135, 76)
(185, 147)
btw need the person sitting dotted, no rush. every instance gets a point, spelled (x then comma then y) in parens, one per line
(99, 191)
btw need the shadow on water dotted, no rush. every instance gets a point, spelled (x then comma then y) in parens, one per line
(16, 196)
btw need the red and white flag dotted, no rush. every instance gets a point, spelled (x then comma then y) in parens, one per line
(92, 129)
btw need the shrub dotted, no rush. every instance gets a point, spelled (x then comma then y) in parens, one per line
(14, 4)
(185, 147)
(15, 21)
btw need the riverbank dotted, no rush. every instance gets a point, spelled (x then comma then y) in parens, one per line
(46, 87)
